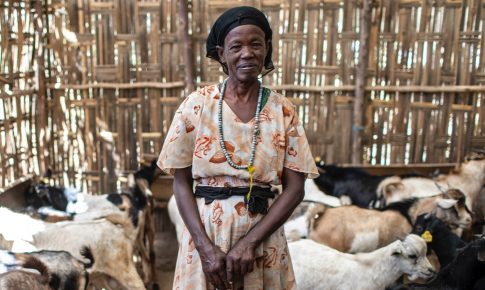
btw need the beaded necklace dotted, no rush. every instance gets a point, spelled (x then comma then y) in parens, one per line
(249, 167)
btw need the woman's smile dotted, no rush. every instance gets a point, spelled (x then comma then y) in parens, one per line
(247, 67)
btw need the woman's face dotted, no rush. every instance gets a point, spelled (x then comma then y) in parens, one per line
(244, 52)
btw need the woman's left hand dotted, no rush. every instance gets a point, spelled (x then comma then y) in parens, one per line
(240, 260)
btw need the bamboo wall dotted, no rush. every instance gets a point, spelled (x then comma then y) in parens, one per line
(115, 75)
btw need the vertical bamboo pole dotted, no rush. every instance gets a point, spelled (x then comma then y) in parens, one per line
(360, 80)
(41, 110)
(183, 31)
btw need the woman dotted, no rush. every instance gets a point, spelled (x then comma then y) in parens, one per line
(235, 140)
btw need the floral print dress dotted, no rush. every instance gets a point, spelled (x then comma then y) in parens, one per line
(193, 140)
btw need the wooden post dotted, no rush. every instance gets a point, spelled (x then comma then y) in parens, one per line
(41, 111)
(186, 42)
(360, 82)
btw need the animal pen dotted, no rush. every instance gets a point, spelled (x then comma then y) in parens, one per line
(88, 88)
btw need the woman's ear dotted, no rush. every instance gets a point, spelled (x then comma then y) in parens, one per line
(220, 52)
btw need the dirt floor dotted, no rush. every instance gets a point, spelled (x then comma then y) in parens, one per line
(166, 248)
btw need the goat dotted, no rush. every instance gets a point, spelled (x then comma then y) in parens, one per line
(42, 194)
(18, 232)
(465, 272)
(351, 185)
(348, 183)
(175, 217)
(442, 240)
(469, 178)
(136, 205)
(317, 266)
(111, 242)
(67, 272)
(110, 238)
(19, 279)
(296, 228)
(353, 229)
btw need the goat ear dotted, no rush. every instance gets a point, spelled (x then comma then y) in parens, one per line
(446, 203)
(398, 250)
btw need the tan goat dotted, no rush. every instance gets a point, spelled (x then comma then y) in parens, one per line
(353, 229)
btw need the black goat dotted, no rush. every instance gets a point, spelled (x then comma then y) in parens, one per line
(149, 173)
(355, 183)
(465, 272)
(443, 241)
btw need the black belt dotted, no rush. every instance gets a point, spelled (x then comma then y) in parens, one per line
(258, 202)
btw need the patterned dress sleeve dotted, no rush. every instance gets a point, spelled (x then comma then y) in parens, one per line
(298, 156)
(178, 147)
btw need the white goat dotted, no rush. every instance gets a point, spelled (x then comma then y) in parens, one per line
(469, 178)
(319, 267)
(18, 229)
(175, 217)
(110, 239)
(314, 194)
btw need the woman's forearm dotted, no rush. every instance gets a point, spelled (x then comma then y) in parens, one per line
(183, 190)
(280, 211)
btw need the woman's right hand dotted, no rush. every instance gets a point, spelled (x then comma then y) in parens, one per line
(214, 266)
(211, 257)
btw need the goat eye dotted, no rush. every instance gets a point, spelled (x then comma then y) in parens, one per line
(414, 257)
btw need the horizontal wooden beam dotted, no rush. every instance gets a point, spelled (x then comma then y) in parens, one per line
(119, 86)
(288, 87)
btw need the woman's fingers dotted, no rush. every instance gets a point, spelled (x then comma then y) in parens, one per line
(218, 279)
(229, 270)
(218, 282)
(214, 266)
(237, 268)
(223, 277)
(250, 267)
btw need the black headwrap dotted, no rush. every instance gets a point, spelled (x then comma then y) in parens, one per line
(232, 18)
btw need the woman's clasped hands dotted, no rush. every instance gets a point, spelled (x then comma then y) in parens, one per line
(222, 269)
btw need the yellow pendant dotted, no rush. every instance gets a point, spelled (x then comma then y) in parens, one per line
(251, 170)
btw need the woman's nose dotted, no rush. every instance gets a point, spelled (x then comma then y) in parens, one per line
(247, 51)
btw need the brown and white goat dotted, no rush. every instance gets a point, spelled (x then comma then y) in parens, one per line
(353, 229)
(20, 279)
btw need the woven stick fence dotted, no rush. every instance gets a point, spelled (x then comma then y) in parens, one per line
(116, 70)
